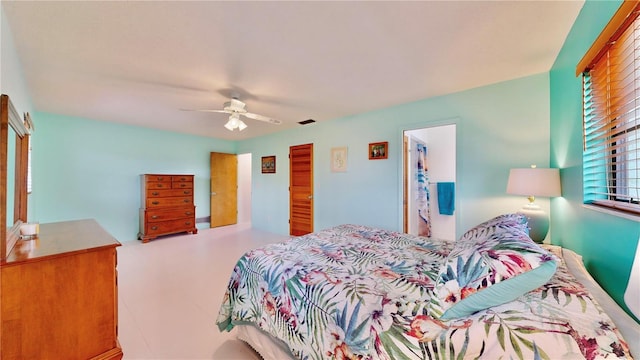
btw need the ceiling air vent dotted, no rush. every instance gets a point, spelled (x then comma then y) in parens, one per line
(306, 122)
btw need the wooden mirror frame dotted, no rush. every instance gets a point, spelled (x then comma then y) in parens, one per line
(10, 117)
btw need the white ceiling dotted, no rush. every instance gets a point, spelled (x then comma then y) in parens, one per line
(139, 63)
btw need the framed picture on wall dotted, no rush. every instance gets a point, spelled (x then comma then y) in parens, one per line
(269, 164)
(378, 150)
(339, 159)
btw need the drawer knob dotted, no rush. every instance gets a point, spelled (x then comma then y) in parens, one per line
(154, 216)
(188, 213)
(160, 185)
(160, 178)
(155, 202)
(186, 200)
(154, 228)
(183, 185)
(187, 222)
(186, 192)
(155, 193)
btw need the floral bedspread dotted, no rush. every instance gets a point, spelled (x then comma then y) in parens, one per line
(355, 292)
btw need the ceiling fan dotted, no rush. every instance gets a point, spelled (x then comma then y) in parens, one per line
(236, 108)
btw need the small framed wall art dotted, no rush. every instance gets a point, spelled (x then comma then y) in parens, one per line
(339, 159)
(378, 150)
(269, 164)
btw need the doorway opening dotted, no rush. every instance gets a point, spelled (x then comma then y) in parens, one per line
(244, 189)
(429, 180)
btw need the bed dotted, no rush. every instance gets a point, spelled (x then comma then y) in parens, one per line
(357, 292)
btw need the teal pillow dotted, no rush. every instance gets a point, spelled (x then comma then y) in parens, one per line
(493, 263)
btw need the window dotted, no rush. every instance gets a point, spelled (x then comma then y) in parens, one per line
(611, 100)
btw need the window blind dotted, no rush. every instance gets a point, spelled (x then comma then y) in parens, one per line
(611, 100)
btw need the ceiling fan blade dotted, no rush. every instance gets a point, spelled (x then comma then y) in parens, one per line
(208, 110)
(262, 118)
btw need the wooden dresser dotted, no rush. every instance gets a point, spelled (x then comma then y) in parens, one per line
(59, 295)
(167, 205)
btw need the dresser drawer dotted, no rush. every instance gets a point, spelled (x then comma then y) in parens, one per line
(156, 177)
(171, 226)
(170, 201)
(182, 185)
(154, 193)
(158, 184)
(182, 178)
(172, 214)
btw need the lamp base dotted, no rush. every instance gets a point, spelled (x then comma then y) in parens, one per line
(538, 222)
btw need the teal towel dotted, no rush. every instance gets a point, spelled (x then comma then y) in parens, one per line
(446, 197)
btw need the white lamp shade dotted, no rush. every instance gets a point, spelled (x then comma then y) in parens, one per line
(534, 182)
(230, 125)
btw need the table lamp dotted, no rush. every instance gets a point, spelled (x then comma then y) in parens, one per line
(534, 182)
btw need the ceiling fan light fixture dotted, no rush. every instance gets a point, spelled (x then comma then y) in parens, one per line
(235, 123)
(229, 125)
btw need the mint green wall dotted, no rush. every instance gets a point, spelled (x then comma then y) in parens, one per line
(499, 126)
(606, 242)
(91, 169)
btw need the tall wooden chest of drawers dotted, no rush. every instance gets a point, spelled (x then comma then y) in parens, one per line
(167, 205)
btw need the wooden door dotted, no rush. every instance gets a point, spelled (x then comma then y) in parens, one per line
(224, 189)
(301, 189)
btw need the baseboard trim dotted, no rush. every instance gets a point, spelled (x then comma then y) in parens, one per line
(206, 219)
